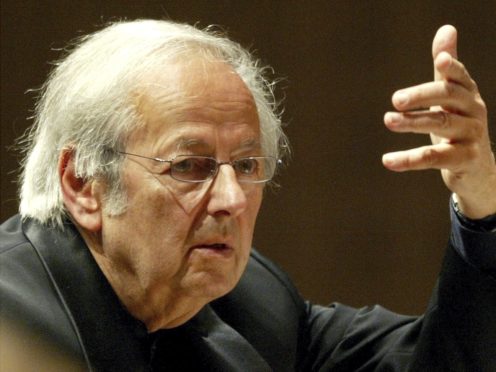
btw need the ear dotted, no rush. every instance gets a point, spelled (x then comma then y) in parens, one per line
(82, 198)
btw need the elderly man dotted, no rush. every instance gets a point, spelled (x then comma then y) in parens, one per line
(144, 176)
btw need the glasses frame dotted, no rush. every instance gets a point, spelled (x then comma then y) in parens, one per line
(214, 174)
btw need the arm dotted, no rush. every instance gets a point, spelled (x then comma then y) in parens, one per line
(458, 331)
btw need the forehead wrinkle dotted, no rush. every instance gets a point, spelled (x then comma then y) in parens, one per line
(156, 109)
(165, 103)
(202, 110)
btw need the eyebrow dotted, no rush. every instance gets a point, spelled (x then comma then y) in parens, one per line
(192, 143)
(251, 143)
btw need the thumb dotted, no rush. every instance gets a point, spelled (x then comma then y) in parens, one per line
(444, 41)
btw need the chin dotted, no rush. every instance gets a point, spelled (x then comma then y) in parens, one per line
(212, 286)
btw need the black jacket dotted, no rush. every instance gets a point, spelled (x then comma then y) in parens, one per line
(50, 282)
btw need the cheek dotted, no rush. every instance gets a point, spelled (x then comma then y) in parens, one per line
(254, 201)
(163, 219)
(254, 198)
(153, 220)
(187, 195)
(152, 201)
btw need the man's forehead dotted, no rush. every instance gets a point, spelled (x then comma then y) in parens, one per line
(183, 86)
(193, 77)
(182, 104)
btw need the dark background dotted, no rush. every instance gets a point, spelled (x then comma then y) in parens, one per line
(344, 228)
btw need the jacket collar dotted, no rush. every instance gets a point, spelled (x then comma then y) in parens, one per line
(109, 336)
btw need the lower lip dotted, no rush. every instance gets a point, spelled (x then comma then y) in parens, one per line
(213, 252)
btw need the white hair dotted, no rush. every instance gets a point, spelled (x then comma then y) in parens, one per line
(85, 105)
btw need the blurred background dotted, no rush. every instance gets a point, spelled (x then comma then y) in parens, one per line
(342, 226)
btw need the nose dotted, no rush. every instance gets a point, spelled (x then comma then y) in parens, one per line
(226, 196)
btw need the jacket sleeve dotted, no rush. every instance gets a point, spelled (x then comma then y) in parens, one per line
(457, 332)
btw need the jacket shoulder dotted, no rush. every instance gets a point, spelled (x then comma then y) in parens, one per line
(28, 298)
(11, 234)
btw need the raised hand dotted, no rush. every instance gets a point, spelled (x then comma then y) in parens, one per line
(452, 111)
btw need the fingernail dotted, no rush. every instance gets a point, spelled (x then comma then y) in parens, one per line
(401, 98)
(388, 160)
(392, 118)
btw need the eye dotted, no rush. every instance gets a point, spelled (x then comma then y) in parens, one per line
(183, 165)
(193, 168)
(248, 166)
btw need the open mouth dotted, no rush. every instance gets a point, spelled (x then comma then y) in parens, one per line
(215, 249)
(217, 246)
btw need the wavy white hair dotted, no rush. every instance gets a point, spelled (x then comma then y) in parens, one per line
(85, 104)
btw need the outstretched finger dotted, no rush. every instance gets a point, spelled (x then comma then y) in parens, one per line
(440, 156)
(439, 123)
(451, 96)
(445, 40)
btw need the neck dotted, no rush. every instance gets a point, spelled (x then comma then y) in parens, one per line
(155, 306)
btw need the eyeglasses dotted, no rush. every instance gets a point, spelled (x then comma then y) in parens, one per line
(197, 169)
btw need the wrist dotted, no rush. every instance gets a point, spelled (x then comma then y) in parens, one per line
(485, 224)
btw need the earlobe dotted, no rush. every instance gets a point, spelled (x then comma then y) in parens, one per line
(82, 197)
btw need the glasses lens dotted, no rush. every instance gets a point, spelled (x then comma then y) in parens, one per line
(193, 168)
(255, 169)
(248, 167)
